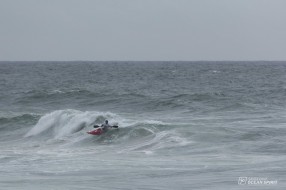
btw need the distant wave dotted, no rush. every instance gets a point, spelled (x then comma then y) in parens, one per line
(12, 118)
(41, 94)
(184, 100)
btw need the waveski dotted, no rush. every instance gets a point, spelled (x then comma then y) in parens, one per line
(99, 130)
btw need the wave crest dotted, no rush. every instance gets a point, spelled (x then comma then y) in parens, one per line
(65, 122)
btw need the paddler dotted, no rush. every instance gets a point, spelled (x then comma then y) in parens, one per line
(105, 126)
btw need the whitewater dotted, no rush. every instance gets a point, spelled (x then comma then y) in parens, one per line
(182, 125)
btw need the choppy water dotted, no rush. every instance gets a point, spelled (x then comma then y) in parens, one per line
(183, 125)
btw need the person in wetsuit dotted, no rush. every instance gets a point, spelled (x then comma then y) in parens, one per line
(105, 126)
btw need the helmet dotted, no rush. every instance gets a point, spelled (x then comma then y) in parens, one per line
(106, 121)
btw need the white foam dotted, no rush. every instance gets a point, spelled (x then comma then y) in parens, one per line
(158, 141)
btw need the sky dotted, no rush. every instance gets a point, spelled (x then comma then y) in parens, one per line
(142, 30)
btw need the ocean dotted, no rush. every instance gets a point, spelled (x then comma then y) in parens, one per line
(182, 125)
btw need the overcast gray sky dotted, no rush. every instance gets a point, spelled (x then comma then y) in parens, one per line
(142, 30)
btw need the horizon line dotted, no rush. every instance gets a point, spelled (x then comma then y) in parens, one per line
(144, 61)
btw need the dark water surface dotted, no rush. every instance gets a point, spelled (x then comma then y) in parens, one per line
(183, 125)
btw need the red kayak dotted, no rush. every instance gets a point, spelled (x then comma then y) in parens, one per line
(97, 131)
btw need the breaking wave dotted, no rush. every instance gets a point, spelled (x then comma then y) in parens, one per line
(65, 122)
(70, 126)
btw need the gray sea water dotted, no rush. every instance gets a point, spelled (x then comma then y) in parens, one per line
(182, 125)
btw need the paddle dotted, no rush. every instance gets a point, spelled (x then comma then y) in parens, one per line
(96, 126)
